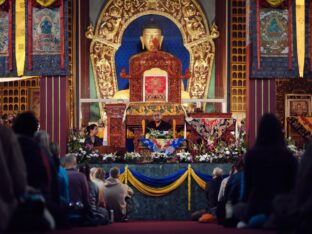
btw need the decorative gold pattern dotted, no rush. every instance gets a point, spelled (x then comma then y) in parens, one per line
(238, 57)
(118, 14)
(14, 95)
(150, 109)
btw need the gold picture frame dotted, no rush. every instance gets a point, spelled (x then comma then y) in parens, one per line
(34, 101)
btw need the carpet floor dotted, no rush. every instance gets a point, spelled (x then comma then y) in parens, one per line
(156, 227)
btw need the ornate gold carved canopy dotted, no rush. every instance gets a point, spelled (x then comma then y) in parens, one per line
(118, 14)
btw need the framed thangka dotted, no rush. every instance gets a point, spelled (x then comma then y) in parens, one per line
(4, 33)
(46, 31)
(274, 32)
(46, 40)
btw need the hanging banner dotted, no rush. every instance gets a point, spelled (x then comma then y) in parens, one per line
(6, 36)
(46, 38)
(300, 28)
(20, 36)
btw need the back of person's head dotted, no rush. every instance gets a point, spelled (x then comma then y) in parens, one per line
(43, 138)
(85, 169)
(114, 172)
(55, 149)
(239, 164)
(217, 172)
(55, 152)
(270, 132)
(100, 174)
(69, 161)
(25, 124)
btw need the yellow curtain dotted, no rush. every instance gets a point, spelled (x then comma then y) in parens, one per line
(20, 36)
(155, 192)
(2, 1)
(275, 3)
(45, 3)
(201, 183)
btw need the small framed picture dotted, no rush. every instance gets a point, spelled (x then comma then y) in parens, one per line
(34, 101)
(298, 105)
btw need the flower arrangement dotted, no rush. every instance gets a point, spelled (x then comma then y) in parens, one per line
(184, 157)
(132, 157)
(84, 155)
(296, 151)
(159, 157)
(109, 158)
(75, 141)
(215, 158)
(159, 134)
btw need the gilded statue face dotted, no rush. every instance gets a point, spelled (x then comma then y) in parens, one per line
(151, 39)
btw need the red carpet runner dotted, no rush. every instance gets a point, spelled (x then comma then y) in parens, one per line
(156, 227)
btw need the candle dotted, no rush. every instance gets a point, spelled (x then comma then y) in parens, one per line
(174, 128)
(143, 127)
(184, 130)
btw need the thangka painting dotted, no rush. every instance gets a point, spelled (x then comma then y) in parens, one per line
(3, 33)
(274, 32)
(155, 88)
(46, 31)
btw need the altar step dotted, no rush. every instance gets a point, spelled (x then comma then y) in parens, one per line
(156, 227)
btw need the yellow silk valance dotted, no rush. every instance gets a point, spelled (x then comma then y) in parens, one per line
(46, 3)
(275, 3)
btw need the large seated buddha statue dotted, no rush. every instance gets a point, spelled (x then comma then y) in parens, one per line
(154, 75)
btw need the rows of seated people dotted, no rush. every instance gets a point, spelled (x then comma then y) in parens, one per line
(40, 192)
(268, 188)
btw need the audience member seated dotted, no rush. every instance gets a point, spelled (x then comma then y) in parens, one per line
(97, 214)
(293, 211)
(78, 185)
(212, 190)
(233, 193)
(63, 183)
(37, 163)
(224, 183)
(97, 175)
(270, 169)
(116, 195)
(13, 175)
(43, 138)
(92, 140)
(158, 123)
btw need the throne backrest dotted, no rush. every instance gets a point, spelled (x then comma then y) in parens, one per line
(156, 73)
(155, 85)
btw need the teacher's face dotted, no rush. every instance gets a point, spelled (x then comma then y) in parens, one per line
(157, 117)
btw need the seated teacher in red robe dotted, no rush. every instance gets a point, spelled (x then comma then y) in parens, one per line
(158, 123)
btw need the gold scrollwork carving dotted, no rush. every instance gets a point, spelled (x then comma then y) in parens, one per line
(201, 69)
(118, 14)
